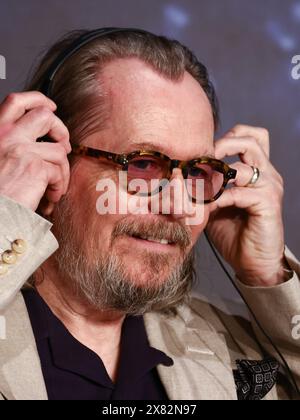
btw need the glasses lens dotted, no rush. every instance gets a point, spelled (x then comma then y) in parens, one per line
(147, 168)
(204, 179)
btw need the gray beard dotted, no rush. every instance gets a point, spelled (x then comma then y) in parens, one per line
(104, 283)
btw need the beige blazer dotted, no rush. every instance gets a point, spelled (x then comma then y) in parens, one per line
(203, 342)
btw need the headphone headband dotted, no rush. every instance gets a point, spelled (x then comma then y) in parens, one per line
(74, 47)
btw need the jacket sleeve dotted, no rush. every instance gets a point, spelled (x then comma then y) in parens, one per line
(18, 222)
(277, 309)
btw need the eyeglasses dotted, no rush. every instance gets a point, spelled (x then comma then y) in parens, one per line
(149, 165)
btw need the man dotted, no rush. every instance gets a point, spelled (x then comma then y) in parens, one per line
(106, 314)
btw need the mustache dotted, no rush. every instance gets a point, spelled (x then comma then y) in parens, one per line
(174, 232)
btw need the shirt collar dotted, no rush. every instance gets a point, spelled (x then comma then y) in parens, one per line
(137, 357)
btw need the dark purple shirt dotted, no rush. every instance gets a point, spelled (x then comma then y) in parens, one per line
(74, 372)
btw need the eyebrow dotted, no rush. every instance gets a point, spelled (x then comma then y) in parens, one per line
(162, 149)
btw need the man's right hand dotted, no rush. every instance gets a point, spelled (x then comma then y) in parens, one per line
(29, 170)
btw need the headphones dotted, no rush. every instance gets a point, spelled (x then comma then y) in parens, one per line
(46, 89)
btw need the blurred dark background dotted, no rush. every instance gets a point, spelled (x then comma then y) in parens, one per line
(247, 47)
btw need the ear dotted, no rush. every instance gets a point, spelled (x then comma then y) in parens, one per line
(45, 208)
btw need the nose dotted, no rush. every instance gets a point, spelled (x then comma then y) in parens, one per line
(173, 198)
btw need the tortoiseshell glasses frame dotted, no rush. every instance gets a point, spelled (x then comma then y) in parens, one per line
(215, 173)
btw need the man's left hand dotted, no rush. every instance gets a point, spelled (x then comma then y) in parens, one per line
(246, 222)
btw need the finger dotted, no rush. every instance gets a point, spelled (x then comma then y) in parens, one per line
(55, 154)
(240, 197)
(39, 122)
(262, 135)
(17, 104)
(247, 148)
(55, 188)
(254, 200)
(244, 175)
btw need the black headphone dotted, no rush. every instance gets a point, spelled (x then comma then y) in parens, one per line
(74, 47)
(46, 90)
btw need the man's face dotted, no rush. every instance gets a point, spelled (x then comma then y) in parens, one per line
(147, 111)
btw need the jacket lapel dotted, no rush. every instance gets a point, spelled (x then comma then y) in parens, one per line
(20, 370)
(202, 367)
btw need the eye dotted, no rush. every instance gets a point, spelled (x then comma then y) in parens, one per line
(198, 172)
(146, 167)
(144, 164)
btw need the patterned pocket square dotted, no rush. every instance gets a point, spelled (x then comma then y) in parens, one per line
(255, 379)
